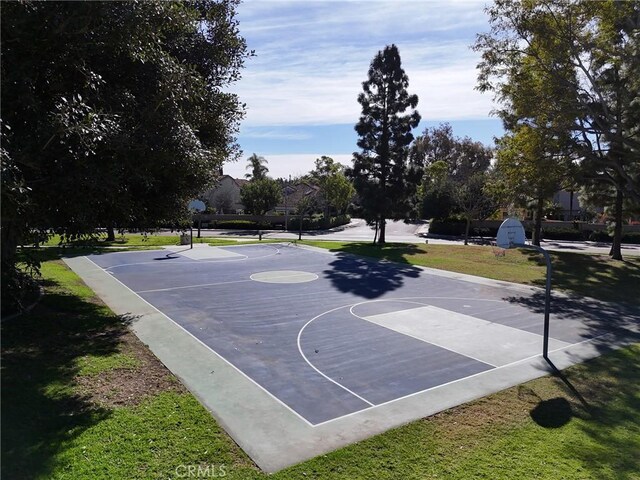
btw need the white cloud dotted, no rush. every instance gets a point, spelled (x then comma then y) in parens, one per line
(249, 132)
(312, 58)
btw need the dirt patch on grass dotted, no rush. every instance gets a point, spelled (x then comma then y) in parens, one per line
(122, 387)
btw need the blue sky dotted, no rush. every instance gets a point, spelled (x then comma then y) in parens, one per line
(312, 57)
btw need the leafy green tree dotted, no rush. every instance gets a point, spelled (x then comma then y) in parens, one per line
(438, 200)
(338, 192)
(258, 167)
(474, 201)
(325, 167)
(335, 188)
(383, 177)
(115, 113)
(587, 56)
(260, 196)
(462, 156)
(530, 167)
(454, 178)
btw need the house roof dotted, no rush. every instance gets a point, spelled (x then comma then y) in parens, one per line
(298, 192)
(240, 182)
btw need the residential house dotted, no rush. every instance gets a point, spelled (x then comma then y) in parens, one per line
(224, 197)
(292, 195)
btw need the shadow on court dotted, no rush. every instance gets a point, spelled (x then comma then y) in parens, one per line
(368, 278)
(620, 321)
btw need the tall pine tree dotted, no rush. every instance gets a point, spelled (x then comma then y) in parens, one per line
(384, 179)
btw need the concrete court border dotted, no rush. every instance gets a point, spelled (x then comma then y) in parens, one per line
(272, 434)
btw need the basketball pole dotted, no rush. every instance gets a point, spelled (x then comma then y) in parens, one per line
(547, 301)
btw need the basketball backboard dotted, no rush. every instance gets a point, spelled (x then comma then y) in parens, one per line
(510, 233)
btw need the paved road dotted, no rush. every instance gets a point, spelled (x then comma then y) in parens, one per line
(401, 232)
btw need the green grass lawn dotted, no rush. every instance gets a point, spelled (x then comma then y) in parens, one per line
(82, 398)
(595, 276)
(134, 240)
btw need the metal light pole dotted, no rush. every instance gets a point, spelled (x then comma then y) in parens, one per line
(286, 208)
(511, 234)
(547, 301)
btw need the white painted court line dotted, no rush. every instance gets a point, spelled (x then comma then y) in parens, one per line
(284, 276)
(319, 371)
(372, 406)
(211, 349)
(207, 253)
(200, 261)
(482, 340)
(486, 372)
(201, 285)
(411, 334)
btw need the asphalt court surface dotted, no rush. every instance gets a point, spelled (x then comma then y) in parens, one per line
(330, 335)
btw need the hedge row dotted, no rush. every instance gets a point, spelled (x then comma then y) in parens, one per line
(313, 223)
(457, 227)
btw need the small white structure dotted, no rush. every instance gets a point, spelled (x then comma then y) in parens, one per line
(510, 233)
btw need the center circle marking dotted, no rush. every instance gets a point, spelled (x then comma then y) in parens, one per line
(284, 276)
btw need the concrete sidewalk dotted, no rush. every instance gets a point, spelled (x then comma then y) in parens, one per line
(399, 232)
(273, 434)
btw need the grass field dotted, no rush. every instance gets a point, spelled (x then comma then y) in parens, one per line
(83, 398)
(133, 240)
(595, 276)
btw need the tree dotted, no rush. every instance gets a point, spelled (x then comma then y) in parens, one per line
(384, 179)
(462, 156)
(223, 202)
(473, 201)
(588, 55)
(438, 200)
(115, 113)
(338, 192)
(335, 188)
(258, 167)
(455, 174)
(260, 196)
(530, 166)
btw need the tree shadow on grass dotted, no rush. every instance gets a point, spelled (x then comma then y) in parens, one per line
(41, 412)
(604, 398)
(371, 278)
(595, 276)
(393, 252)
(602, 294)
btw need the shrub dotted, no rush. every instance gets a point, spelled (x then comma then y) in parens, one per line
(239, 225)
(318, 222)
(631, 237)
(447, 227)
(559, 233)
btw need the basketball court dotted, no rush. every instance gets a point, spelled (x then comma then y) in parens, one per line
(298, 351)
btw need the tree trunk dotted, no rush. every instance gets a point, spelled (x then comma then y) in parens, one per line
(571, 206)
(616, 251)
(111, 234)
(537, 227)
(466, 231)
(383, 225)
(300, 219)
(9, 246)
(375, 235)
